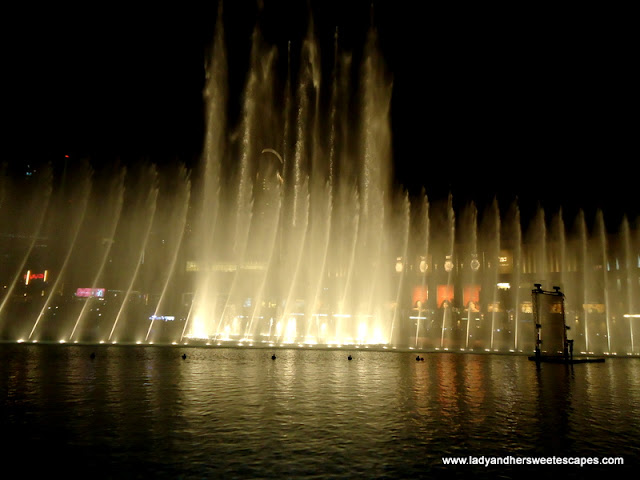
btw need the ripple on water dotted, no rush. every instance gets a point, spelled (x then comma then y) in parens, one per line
(309, 414)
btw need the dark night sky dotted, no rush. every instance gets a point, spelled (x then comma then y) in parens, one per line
(483, 100)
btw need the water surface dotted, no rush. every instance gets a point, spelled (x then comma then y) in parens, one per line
(236, 413)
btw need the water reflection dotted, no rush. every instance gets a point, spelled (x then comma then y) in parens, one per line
(553, 409)
(448, 383)
(474, 379)
(420, 379)
(237, 412)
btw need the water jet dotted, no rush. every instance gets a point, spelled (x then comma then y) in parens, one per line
(290, 231)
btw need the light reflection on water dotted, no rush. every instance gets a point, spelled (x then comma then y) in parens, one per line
(236, 413)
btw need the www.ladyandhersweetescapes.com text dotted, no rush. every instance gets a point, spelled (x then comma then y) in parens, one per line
(552, 460)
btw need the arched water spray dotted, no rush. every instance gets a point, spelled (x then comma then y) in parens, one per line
(287, 329)
(36, 210)
(270, 270)
(321, 236)
(135, 273)
(83, 193)
(292, 231)
(142, 228)
(177, 223)
(115, 199)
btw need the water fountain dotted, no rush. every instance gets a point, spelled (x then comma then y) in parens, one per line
(291, 231)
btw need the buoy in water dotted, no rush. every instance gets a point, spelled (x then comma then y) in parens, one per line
(273, 357)
(350, 357)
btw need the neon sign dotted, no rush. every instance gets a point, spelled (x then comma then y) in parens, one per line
(28, 277)
(90, 292)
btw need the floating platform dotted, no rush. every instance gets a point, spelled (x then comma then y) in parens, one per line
(566, 361)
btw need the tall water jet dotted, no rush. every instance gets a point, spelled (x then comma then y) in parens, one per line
(490, 242)
(346, 206)
(538, 239)
(557, 261)
(513, 232)
(321, 155)
(261, 311)
(420, 294)
(601, 240)
(586, 276)
(375, 179)
(403, 228)
(348, 247)
(254, 175)
(301, 219)
(499, 308)
(631, 283)
(449, 266)
(290, 230)
(471, 289)
(203, 306)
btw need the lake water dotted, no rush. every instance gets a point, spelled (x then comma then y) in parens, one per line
(145, 412)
